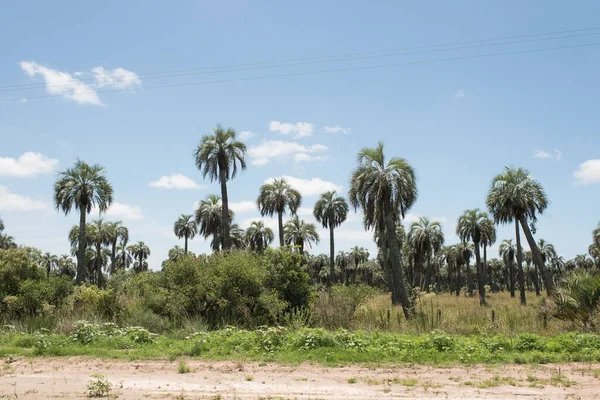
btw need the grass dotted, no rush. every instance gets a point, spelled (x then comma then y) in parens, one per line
(352, 381)
(314, 345)
(183, 368)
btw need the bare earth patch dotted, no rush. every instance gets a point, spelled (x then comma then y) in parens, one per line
(67, 378)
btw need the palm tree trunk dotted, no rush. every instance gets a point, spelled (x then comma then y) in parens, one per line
(469, 279)
(536, 280)
(458, 280)
(280, 223)
(450, 278)
(537, 256)
(98, 264)
(418, 265)
(331, 256)
(480, 276)
(428, 274)
(185, 245)
(520, 264)
(511, 273)
(113, 257)
(400, 285)
(82, 246)
(224, 208)
(486, 273)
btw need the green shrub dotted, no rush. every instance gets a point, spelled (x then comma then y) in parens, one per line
(286, 277)
(16, 266)
(335, 307)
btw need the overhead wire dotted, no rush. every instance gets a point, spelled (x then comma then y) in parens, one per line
(316, 72)
(319, 60)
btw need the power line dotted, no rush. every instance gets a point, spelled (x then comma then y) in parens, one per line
(317, 72)
(324, 59)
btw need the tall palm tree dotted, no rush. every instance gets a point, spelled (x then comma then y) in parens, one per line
(98, 233)
(508, 252)
(209, 218)
(219, 156)
(84, 187)
(50, 262)
(385, 190)
(548, 253)
(516, 197)
(140, 252)
(594, 249)
(426, 237)
(488, 238)
(298, 233)
(185, 227)
(469, 228)
(342, 261)
(259, 236)
(331, 211)
(278, 197)
(117, 234)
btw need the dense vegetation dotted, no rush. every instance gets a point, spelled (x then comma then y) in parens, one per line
(248, 284)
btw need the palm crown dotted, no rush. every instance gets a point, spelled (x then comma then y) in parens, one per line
(299, 233)
(83, 187)
(218, 157)
(258, 236)
(209, 218)
(185, 227)
(278, 197)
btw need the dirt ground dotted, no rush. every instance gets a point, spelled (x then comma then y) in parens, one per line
(68, 378)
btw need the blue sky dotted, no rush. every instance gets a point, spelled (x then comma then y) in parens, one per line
(457, 122)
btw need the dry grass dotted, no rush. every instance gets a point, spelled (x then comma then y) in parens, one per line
(459, 315)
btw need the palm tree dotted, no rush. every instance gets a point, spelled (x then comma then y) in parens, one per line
(185, 227)
(357, 256)
(594, 249)
(488, 238)
(470, 227)
(508, 251)
(49, 261)
(331, 211)
(548, 253)
(238, 237)
(516, 197)
(140, 252)
(464, 253)
(124, 258)
(385, 191)
(577, 298)
(426, 237)
(278, 197)
(218, 157)
(84, 187)
(209, 218)
(117, 233)
(297, 233)
(176, 253)
(259, 236)
(98, 233)
(1, 225)
(7, 242)
(582, 261)
(66, 266)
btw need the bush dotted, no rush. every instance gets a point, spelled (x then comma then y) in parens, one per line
(16, 266)
(286, 276)
(335, 308)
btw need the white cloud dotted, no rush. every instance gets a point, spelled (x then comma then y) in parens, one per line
(541, 154)
(62, 83)
(337, 129)
(118, 78)
(176, 181)
(588, 173)
(242, 206)
(282, 151)
(23, 100)
(29, 164)
(299, 129)
(122, 211)
(15, 202)
(309, 187)
(246, 135)
(303, 157)
(460, 93)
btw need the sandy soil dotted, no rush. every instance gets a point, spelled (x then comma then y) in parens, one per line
(67, 378)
